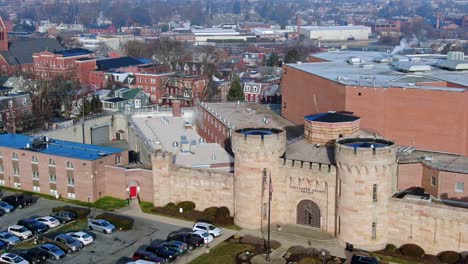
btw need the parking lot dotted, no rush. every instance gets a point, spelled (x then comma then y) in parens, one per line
(107, 248)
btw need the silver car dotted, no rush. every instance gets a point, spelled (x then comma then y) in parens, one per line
(73, 244)
(9, 238)
(101, 225)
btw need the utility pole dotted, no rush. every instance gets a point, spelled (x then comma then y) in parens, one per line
(270, 194)
(83, 119)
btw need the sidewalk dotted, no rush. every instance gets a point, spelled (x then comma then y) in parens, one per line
(290, 235)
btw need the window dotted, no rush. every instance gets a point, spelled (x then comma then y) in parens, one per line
(118, 159)
(71, 181)
(374, 193)
(14, 156)
(374, 230)
(52, 178)
(51, 162)
(35, 175)
(34, 159)
(36, 188)
(71, 195)
(69, 165)
(1, 169)
(433, 181)
(1, 154)
(15, 171)
(2, 182)
(459, 187)
(17, 185)
(52, 191)
(339, 187)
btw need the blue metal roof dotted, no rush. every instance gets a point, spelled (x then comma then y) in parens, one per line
(73, 52)
(58, 147)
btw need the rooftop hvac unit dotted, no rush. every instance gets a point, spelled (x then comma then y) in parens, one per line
(184, 146)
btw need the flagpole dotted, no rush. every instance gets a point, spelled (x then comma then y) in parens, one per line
(268, 259)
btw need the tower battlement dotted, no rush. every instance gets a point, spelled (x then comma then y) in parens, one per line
(370, 149)
(263, 143)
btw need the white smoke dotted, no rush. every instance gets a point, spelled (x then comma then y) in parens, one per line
(101, 19)
(404, 44)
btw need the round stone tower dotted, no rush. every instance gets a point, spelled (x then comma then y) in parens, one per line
(366, 171)
(256, 152)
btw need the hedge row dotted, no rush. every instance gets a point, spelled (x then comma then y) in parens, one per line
(216, 215)
(412, 250)
(119, 221)
(80, 212)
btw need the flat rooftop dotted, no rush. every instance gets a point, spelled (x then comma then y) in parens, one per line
(370, 73)
(58, 147)
(441, 161)
(246, 115)
(168, 133)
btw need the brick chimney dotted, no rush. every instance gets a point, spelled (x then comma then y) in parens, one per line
(176, 111)
(3, 36)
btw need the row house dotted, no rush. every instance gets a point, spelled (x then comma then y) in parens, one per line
(265, 90)
(188, 89)
(188, 68)
(14, 109)
(150, 84)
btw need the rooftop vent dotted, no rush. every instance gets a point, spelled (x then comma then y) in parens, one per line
(354, 60)
(213, 157)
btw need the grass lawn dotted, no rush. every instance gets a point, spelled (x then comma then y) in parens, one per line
(109, 203)
(223, 253)
(80, 224)
(105, 203)
(310, 261)
(147, 207)
(394, 259)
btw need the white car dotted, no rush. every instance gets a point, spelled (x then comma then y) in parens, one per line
(83, 237)
(11, 258)
(140, 261)
(203, 234)
(49, 221)
(207, 227)
(20, 231)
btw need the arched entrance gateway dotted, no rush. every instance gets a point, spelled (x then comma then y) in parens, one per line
(308, 213)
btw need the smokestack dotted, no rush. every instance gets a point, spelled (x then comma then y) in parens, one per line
(438, 21)
(176, 111)
(299, 25)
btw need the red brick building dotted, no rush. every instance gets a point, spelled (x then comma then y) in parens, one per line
(105, 29)
(427, 110)
(188, 89)
(70, 63)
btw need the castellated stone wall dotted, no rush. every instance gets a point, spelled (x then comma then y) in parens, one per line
(326, 133)
(204, 187)
(434, 227)
(361, 216)
(256, 158)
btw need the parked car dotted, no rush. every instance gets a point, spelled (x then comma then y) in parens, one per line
(18, 200)
(11, 258)
(193, 241)
(53, 251)
(8, 208)
(101, 225)
(2, 212)
(20, 231)
(72, 244)
(146, 255)
(163, 252)
(140, 261)
(64, 216)
(179, 247)
(49, 221)
(207, 227)
(205, 235)
(83, 237)
(35, 226)
(9, 238)
(364, 260)
(33, 255)
(4, 246)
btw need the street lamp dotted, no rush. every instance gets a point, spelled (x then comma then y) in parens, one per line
(323, 256)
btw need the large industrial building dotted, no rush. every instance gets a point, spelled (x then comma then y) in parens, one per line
(416, 100)
(336, 33)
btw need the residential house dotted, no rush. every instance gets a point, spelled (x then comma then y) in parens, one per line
(125, 99)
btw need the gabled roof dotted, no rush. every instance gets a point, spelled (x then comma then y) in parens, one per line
(20, 51)
(130, 94)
